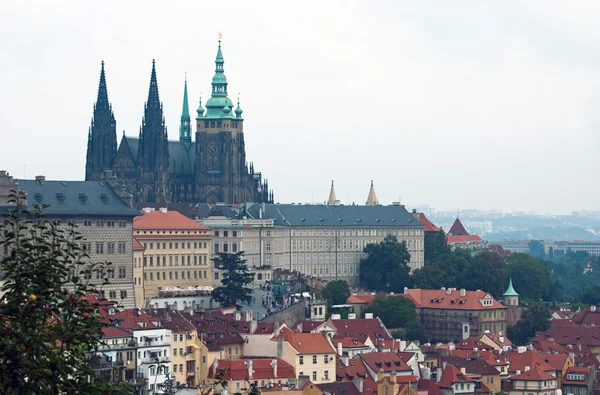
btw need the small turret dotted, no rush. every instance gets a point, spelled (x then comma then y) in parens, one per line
(372, 198)
(332, 198)
(200, 110)
(238, 110)
(510, 297)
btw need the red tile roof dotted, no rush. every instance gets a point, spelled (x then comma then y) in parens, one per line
(307, 325)
(429, 226)
(587, 317)
(557, 361)
(356, 368)
(458, 229)
(533, 359)
(348, 342)
(346, 388)
(356, 299)
(533, 374)
(405, 356)
(360, 329)
(498, 249)
(572, 370)
(461, 239)
(430, 386)
(306, 343)
(440, 299)
(171, 220)
(387, 361)
(499, 338)
(137, 246)
(238, 369)
(134, 319)
(111, 331)
(566, 332)
(451, 375)
(471, 343)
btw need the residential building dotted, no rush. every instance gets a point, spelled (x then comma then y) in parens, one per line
(518, 246)
(311, 354)
(451, 314)
(103, 220)
(533, 381)
(452, 380)
(478, 370)
(176, 251)
(138, 273)
(579, 381)
(370, 331)
(386, 363)
(458, 237)
(115, 360)
(260, 372)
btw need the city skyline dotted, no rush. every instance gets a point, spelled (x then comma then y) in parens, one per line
(454, 107)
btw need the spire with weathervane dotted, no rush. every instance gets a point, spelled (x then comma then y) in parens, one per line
(185, 126)
(332, 198)
(102, 134)
(153, 151)
(372, 198)
(219, 106)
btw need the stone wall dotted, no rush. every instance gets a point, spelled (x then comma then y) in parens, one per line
(290, 315)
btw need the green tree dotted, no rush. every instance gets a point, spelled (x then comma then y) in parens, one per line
(394, 311)
(485, 271)
(531, 278)
(536, 249)
(535, 319)
(434, 245)
(415, 331)
(386, 266)
(591, 296)
(235, 278)
(446, 271)
(49, 332)
(336, 292)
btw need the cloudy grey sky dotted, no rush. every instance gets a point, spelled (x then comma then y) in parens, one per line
(462, 104)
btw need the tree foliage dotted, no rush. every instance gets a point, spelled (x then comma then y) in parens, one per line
(434, 244)
(336, 292)
(386, 266)
(535, 319)
(394, 311)
(235, 278)
(531, 278)
(48, 330)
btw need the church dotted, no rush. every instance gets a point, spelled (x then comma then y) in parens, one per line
(153, 169)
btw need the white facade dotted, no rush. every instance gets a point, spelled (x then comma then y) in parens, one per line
(153, 356)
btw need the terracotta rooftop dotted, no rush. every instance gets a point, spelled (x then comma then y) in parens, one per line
(533, 374)
(430, 386)
(306, 325)
(135, 319)
(170, 220)
(356, 368)
(137, 246)
(565, 333)
(387, 361)
(461, 239)
(498, 249)
(451, 299)
(451, 375)
(472, 366)
(499, 338)
(579, 371)
(590, 316)
(458, 229)
(111, 331)
(339, 388)
(372, 328)
(429, 226)
(348, 342)
(238, 369)
(306, 343)
(533, 359)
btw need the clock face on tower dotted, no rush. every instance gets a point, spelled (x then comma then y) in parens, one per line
(213, 150)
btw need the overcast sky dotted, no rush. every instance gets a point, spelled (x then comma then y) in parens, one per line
(461, 104)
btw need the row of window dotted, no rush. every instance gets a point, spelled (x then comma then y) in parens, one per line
(112, 295)
(218, 124)
(174, 260)
(225, 233)
(314, 375)
(314, 359)
(217, 249)
(325, 271)
(105, 248)
(196, 245)
(174, 275)
(342, 245)
(358, 232)
(326, 258)
(109, 224)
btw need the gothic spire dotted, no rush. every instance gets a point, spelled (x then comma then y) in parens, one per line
(102, 134)
(372, 198)
(185, 128)
(332, 198)
(219, 81)
(153, 98)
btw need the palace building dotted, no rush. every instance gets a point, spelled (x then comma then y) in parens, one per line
(154, 169)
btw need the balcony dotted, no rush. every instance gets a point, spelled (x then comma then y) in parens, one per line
(191, 373)
(119, 346)
(157, 342)
(155, 360)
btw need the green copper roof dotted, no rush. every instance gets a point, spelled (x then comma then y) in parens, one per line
(185, 112)
(238, 110)
(510, 291)
(185, 127)
(200, 110)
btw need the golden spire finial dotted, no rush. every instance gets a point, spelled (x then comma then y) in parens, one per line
(220, 36)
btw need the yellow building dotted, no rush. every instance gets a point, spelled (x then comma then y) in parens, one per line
(138, 273)
(176, 251)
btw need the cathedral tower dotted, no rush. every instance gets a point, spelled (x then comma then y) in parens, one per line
(102, 135)
(185, 125)
(153, 151)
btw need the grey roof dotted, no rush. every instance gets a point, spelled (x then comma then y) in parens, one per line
(76, 198)
(323, 215)
(181, 160)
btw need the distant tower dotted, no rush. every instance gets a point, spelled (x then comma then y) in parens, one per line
(102, 135)
(457, 229)
(372, 198)
(510, 297)
(332, 199)
(185, 126)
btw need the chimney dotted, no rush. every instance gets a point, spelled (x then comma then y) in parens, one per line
(487, 331)
(336, 316)
(368, 315)
(438, 374)
(250, 364)
(463, 292)
(163, 210)
(299, 327)
(416, 215)
(280, 347)
(572, 357)
(449, 291)
(451, 347)
(345, 359)
(352, 316)
(215, 364)
(592, 307)
(443, 288)
(521, 349)
(425, 373)
(405, 290)
(358, 383)
(527, 368)
(40, 179)
(402, 345)
(444, 364)
(475, 353)
(276, 326)
(501, 338)
(274, 365)
(339, 348)
(463, 370)
(518, 372)
(393, 377)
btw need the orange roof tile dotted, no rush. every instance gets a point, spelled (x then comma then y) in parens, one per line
(451, 299)
(238, 369)
(458, 229)
(388, 361)
(533, 374)
(461, 239)
(170, 220)
(429, 226)
(451, 375)
(306, 343)
(137, 246)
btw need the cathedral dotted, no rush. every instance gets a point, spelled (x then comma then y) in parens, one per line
(153, 169)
